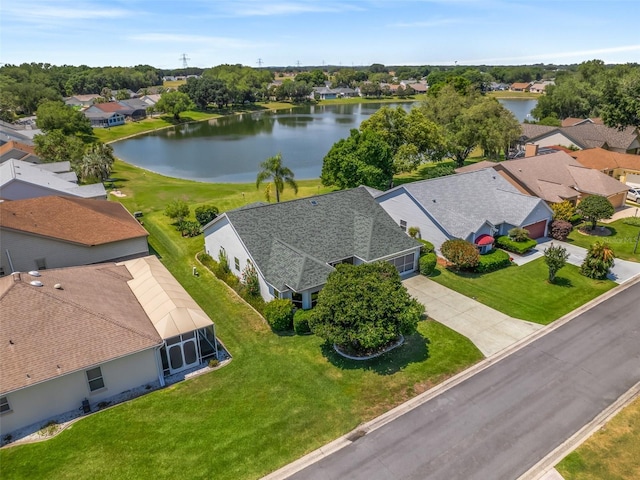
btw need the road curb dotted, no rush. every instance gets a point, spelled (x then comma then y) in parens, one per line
(549, 462)
(378, 422)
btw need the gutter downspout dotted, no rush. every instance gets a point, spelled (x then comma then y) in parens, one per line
(159, 365)
(10, 262)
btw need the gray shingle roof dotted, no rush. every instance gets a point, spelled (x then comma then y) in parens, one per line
(462, 203)
(292, 242)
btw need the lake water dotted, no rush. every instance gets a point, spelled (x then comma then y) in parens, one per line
(230, 149)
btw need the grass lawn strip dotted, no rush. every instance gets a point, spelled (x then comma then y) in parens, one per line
(281, 396)
(622, 239)
(523, 291)
(612, 453)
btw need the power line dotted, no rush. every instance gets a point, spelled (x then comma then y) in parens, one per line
(260, 63)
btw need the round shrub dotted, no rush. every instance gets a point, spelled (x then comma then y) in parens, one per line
(462, 254)
(560, 229)
(301, 321)
(279, 314)
(427, 247)
(428, 264)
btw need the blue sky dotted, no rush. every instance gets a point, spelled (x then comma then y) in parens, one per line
(342, 32)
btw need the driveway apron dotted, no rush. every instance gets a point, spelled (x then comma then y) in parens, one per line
(490, 330)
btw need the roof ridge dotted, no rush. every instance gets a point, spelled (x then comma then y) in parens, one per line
(97, 314)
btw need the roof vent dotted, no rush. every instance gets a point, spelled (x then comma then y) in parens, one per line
(58, 286)
(434, 200)
(35, 283)
(34, 273)
(313, 202)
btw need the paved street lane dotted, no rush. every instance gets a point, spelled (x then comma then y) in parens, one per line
(502, 421)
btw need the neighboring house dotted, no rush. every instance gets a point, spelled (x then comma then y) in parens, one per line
(53, 232)
(621, 166)
(468, 206)
(346, 92)
(324, 93)
(295, 245)
(133, 109)
(584, 135)
(572, 121)
(18, 151)
(419, 87)
(520, 87)
(82, 100)
(556, 177)
(90, 333)
(10, 132)
(151, 99)
(20, 180)
(104, 119)
(540, 86)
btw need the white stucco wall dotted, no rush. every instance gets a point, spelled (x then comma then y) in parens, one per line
(25, 249)
(44, 401)
(400, 206)
(222, 234)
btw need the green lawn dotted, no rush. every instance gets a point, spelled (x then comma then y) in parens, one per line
(280, 397)
(612, 453)
(622, 239)
(523, 292)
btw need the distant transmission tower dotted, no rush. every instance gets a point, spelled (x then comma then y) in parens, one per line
(260, 62)
(184, 59)
(298, 63)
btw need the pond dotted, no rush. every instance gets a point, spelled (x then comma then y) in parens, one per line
(230, 149)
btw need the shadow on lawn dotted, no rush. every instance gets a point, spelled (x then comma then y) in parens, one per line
(562, 282)
(415, 349)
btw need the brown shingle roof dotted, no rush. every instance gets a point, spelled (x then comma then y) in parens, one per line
(556, 176)
(476, 166)
(47, 332)
(78, 220)
(531, 130)
(602, 159)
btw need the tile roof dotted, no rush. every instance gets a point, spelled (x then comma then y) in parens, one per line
(109, 107)
(602, 159)
(462, 203)
(292, 242)
(77, 220)
(47, 332)
(555, 177)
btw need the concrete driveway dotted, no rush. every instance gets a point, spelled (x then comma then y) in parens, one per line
(490, 330)
(621, 272)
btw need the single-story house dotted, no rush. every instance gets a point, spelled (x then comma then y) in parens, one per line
(81, 335)
(572, 121)
(324, 93)
(20, 180)
(82, 100)
(520, 87)
(151, 99)
(18, 151)
(468, 206)
(104, 119)
(133, 109)
(54, 231)
(295, 245)
(621, 166)
(557, 176)
(540, 86)
(584, 135)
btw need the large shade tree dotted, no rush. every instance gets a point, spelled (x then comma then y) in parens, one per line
(365, 307)
(364, 158)
(174, 103)
(595, 208)
(272, 168)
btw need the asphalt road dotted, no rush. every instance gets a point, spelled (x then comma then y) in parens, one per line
(502, 421)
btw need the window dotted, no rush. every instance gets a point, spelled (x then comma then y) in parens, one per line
(237, 263)
(4, 405)
(276, 293)
(403, 263)
(314, 299)
(94, 376)
(296, 299)
(403, 225)
(41, 264)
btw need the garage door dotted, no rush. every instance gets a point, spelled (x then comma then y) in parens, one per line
(633, 178)
(537, 230)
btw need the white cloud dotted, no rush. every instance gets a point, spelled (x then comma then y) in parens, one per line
(36, 12)
(437, 22)
(265, 8)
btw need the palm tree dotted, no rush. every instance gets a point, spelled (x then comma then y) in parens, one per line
(272, 168)
(96, 162)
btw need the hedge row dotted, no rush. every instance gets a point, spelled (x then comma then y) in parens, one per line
(516, 247)
(427, 247)
(428, 263)
(492, 261)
